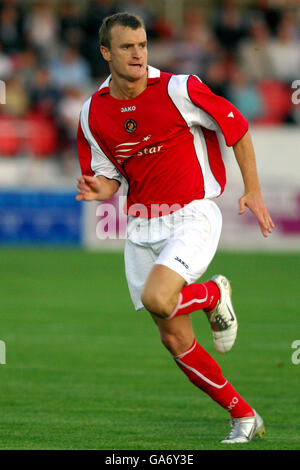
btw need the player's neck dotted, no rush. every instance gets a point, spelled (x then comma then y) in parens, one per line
(123, 89)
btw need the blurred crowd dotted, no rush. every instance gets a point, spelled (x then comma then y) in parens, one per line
(248, 52)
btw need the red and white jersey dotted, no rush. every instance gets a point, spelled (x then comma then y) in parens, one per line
(164, 141)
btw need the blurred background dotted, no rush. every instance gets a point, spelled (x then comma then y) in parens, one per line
(246, 51)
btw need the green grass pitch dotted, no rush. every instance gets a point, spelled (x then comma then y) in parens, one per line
(85, 371)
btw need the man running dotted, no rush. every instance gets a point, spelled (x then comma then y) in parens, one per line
(160, 133)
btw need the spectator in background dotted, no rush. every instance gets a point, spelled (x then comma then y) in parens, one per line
(197, 28)
(6, 65)
(17, 100)
(230, 24)
(254, 53)
(144, 11)
(244, 94)
(188, 55)
(162, 29)
(162, 54)
(163, 50)
(25, 64)
(69, 109)
(41, 28)
(10, 29)
(43, 95)
(68, 114)
(197, 45)
(71, 24)
(216, 78)
(97, 10)
(70, 69)
(285, 51)
(265, 11)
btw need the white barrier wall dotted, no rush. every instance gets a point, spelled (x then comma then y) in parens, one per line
(278, 161)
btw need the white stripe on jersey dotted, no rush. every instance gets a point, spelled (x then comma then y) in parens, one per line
(195, 117)
(127, 143)
(100, 163)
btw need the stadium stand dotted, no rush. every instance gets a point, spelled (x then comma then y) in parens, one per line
(49, 58)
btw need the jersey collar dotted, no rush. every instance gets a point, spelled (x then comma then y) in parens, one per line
(153, 77)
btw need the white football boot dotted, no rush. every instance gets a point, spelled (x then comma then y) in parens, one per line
(222, 318)
(245, 429)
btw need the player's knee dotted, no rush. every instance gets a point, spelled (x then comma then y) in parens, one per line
(157, 303)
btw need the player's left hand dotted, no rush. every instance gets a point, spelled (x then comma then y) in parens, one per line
(254, 201)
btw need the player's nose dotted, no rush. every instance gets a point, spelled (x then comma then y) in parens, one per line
(136, 52)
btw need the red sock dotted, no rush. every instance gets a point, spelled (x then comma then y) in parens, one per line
(204, 372)
(197, 297)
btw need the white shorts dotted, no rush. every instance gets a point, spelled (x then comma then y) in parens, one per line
(185, 241)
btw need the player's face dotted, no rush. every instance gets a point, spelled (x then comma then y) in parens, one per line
(128, 54)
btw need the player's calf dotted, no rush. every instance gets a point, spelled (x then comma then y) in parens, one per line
(177, 335)
(175, 342)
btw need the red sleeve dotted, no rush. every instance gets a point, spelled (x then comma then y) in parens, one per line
(231, 122)
(84, 153)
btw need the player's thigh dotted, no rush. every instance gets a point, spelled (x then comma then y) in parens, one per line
(161, 289)
(139, 261)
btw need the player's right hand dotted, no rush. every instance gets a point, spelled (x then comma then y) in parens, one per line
(255, 202)
(88, 188)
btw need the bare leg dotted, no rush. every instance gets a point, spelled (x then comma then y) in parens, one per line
(160, 297)
(177, 335)
(161, 290)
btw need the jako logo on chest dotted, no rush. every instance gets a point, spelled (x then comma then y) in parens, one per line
(128, 108)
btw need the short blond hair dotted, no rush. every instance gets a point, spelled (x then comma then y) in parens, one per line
(123, 19)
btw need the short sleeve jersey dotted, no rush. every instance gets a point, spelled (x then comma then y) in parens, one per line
(164, 142)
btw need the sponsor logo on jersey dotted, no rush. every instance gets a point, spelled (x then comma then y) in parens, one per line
(130, 125)
(126, 150)
(149, 150)
(127, 109)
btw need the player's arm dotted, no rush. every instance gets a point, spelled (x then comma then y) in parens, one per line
(234, 127)
(96, 188)
(100, 179)
(252, 198)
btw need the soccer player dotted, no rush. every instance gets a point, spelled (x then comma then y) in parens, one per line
(160, 133)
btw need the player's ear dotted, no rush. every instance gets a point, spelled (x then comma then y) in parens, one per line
(105, 51)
